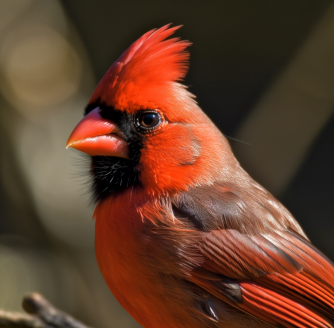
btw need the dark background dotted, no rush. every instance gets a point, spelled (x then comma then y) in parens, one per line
(262, 70)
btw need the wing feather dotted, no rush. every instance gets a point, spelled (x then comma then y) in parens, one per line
(287, 292)
(265, 267)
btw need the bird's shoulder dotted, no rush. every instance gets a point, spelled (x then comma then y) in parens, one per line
(247, 208)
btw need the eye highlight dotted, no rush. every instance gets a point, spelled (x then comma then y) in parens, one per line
(147, 121)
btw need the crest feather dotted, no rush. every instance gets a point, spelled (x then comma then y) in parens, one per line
(149, 64)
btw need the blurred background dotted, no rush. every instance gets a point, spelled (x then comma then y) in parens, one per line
(262, 70)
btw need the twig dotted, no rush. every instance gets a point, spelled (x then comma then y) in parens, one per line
(40, 314)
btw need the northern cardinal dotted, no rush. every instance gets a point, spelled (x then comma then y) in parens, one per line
(184, 236)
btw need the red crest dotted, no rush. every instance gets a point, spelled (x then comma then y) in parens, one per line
(149, 66)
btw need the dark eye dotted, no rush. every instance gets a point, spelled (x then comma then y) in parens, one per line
(148, 121)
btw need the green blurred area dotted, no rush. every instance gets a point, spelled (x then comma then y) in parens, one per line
(263, 71)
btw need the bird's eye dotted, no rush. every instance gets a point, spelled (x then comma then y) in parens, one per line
(148, 121)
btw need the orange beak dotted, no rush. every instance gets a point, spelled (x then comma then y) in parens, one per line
(97, 136)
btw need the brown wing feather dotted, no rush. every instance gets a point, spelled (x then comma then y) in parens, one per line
(283, 279)
(246, 256)
(257, 258)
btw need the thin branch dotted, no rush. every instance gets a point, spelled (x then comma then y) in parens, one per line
(40, 314)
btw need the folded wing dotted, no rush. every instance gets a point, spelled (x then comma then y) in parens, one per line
(272, 272)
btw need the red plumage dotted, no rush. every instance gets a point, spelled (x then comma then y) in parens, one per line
(144, 71)
(184, 236)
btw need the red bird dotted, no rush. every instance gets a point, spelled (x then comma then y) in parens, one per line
(184, 236)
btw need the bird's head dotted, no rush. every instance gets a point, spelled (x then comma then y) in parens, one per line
(143, 128)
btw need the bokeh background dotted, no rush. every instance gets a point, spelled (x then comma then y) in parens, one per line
(262, 70)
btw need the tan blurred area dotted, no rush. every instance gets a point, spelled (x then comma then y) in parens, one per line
(48, 244)
(47, 73)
